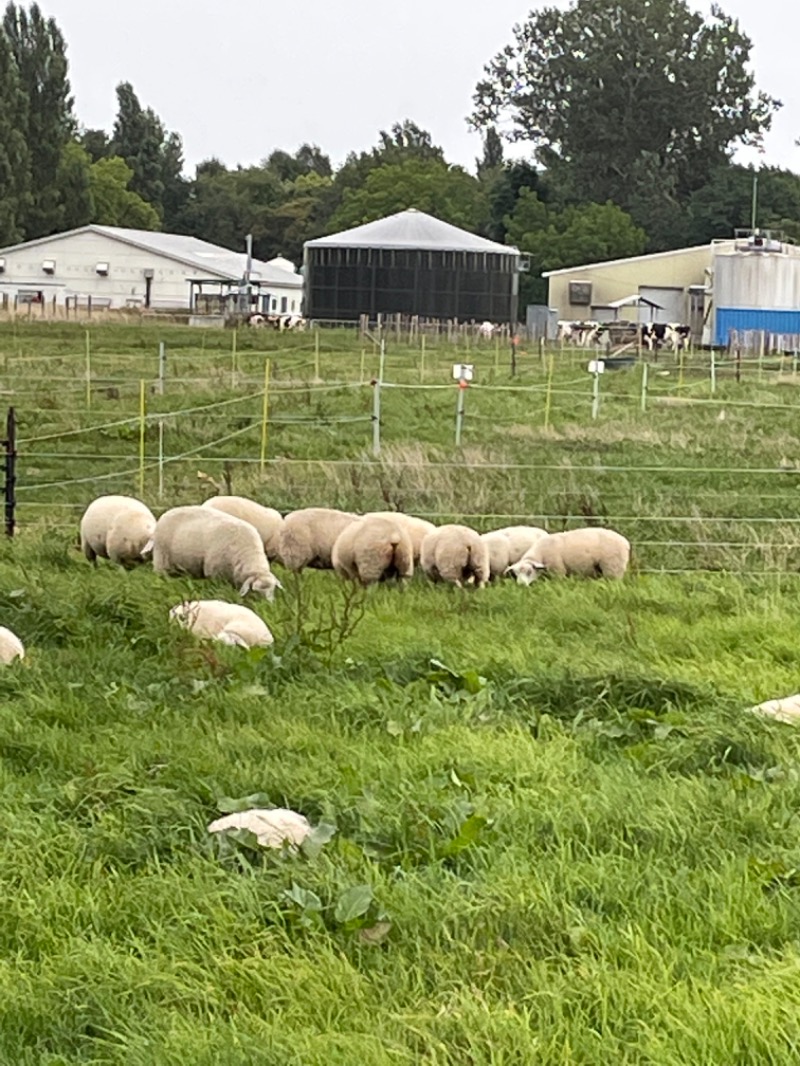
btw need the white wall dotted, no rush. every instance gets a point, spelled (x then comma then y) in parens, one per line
(76, 257)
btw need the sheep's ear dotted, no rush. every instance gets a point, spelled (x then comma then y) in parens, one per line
(278, 585)
(147, 549)
(246, 586)
(538, 566)
(233, 639)
(511, 571)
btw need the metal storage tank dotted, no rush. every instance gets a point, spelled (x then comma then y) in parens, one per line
(410, 263)
(757, 290)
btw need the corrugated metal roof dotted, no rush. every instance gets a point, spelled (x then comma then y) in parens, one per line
(411, 229)
(201, 255)
(210, 259)
(716, 246)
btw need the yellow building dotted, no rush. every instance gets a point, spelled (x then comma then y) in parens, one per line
(674, 285)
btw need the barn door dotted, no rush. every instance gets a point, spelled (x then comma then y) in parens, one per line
(673, 302)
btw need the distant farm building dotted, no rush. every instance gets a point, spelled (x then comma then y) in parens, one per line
(750, 282)
(110, 267)
(410, 264)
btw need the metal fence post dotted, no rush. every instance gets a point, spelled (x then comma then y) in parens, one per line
(10, 446)
(462, 389)
(376, 403)
(162, 366)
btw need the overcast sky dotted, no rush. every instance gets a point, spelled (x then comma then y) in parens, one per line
(238, 79)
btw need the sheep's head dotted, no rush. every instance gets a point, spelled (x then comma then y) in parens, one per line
(525, 571)
(265, 585)
(185, 613)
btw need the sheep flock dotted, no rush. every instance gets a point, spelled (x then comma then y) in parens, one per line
(237, 540)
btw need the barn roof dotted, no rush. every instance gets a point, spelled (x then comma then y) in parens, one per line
(211, 259)
(411, 229)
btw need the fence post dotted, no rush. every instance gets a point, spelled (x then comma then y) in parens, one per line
(376, 403)
(264, 417)
(233, 357)
(142, 427)
(361, 368)
(548, 396)
(460, 401)
(10, 445)
(88, 370)
(161, 459)
(596, 389)
(162, 366)
(645, 375)
(713, 370)
(316, 353)
(422, 359)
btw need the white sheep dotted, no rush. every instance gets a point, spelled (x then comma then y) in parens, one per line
(373, 549)
(119, 528)
(308, 537)
(11, 647)
(786, 709)
(457, 554)
(202, 542)
(417, 528)
(273, 827)
(589, 552)
(266, 520)
(229, 623)
(509, 544)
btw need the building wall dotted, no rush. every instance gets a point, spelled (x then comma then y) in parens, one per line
(756, 291)
(614, 281)
(76, 257)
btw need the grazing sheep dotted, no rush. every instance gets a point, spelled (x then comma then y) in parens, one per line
(588, 552)
(417, 528)
(11, 647)
(267, 520)
(373, 549)
(229, 623)
(457, 554)
(786, 709)
(273, 827)
(308, 536)
(119, 528)
(203, 542)
(508, 545)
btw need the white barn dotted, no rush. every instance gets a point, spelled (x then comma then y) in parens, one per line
(117, 268)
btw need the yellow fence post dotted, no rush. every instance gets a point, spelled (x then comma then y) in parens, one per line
(265, 417)
(142, 427)
(88, 370)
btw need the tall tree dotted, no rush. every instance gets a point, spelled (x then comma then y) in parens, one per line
(596, 86)
(492, 158)
(96, 142)
(75, 186)
(40, 53)
(115, 204)
(308, 159)
(15, 177)
(154, 155)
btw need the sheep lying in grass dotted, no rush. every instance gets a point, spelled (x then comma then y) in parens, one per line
(229, 623)
(508, 545)
(119, 528)
(373, 549)
(456, 554)
(588, 552)
(11, 647)
(786, 709)
(267, 521)
(308, 537)
(273, 827)
(202, 542)
(417, 528)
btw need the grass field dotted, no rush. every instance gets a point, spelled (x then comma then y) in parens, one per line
(559, 838)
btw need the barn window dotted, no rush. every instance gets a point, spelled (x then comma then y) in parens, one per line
(102, 270)
(580, 293)
(274, 303)
(49, 266)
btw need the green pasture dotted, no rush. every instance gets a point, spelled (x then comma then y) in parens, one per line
(551, 831)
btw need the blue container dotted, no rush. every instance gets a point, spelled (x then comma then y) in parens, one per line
(760, 318)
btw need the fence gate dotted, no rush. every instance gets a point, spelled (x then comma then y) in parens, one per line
(10, 471)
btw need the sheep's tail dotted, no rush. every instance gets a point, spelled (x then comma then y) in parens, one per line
(401, 559)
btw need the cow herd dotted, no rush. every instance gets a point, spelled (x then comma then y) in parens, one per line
(275, 321)
(651, 335)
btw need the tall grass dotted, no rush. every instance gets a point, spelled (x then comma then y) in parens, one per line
(572, 842)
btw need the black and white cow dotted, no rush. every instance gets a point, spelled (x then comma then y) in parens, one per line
(672, 335)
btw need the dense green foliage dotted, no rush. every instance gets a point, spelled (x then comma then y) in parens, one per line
(559, 836)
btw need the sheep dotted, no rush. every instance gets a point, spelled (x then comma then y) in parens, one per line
(588, 552)
(11, 647)
(417, 528)
(508, 545)
(273, 827)
(457, 554)
(203, 542)
(266, 520)
(373, 549)
(786, 709)
(308, 536)
(119, 528)
(229, 623)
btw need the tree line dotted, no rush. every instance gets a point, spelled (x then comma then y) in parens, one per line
(632, 112)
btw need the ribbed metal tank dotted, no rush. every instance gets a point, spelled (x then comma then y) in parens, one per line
(756, 291)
